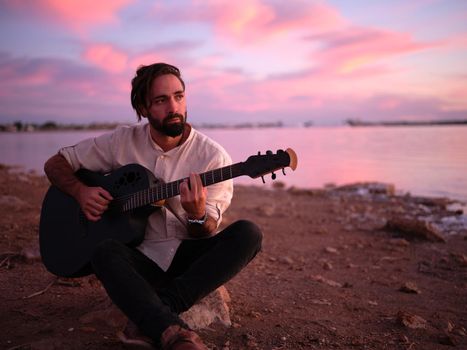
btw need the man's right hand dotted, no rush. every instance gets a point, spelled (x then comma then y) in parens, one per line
(93, 201)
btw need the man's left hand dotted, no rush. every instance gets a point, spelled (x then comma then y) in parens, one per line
(193, 197)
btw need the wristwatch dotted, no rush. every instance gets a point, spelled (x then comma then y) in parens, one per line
(198, 221)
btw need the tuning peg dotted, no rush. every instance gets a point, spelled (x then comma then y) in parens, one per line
(259, 153)
(273, 176)
(262, 178)
(283, 172)
(268, 152)
(279, 151)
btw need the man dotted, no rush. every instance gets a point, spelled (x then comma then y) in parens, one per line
(182, 258)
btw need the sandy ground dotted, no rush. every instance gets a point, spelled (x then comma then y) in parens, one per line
(339, 269)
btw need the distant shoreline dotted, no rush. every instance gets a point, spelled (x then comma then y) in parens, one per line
(52, 126)
(356, 123)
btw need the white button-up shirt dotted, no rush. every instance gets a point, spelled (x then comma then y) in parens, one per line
(166, 228)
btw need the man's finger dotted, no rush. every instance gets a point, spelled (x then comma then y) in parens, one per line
(91, 217)
(184, 188)
(104, 194)
(196, 184)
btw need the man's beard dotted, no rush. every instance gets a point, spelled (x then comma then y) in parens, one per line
(167, 128)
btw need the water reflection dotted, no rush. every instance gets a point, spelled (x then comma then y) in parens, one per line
(422, 160)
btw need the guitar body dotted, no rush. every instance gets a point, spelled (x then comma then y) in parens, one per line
(67, 239)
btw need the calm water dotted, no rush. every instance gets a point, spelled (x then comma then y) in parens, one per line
(420, 160)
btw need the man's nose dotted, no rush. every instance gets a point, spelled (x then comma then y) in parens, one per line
(173, 105)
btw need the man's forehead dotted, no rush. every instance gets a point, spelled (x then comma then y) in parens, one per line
(166, 84)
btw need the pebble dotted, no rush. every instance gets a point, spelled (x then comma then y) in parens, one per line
(410, 320)
(409, 287)
(331, 250)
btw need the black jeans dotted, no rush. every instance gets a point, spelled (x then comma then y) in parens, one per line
(152, 298)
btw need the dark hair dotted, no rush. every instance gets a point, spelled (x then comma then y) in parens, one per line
(141, 83)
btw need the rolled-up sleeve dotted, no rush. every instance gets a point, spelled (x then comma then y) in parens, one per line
(220, 194)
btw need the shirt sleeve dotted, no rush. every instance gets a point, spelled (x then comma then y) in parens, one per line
(94, 154)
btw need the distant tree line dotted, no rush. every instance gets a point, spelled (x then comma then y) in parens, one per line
(19, 126)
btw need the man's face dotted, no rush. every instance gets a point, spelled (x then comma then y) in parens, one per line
(167, 106)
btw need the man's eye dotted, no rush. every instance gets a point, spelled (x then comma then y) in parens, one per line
(179, 97)
(158, 101)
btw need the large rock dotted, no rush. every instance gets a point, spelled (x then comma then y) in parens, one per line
(212, 308)
(411, 227)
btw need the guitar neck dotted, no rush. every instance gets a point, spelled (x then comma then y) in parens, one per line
(167, 190)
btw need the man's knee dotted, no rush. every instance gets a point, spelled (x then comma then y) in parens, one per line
(248, 232)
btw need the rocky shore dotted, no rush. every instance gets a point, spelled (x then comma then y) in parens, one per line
(351, 267)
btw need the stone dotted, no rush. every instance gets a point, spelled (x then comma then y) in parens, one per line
(331, 250)
(111, 316)
(409, 287)
(212, 308)
(321, 279)
(415, 228)
(31, 254)
(286, 260)
(410, 320)
(266, 210)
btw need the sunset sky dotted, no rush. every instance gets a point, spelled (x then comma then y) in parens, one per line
(243, 61)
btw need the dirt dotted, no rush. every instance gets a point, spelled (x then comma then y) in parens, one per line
(332, 275)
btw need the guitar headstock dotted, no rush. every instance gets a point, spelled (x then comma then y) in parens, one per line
(262, 164)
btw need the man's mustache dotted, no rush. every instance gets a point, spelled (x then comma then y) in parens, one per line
(173, 116)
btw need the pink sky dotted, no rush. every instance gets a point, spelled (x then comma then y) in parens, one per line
(297, 61)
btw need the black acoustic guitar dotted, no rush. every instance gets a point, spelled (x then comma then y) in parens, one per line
(67, 239)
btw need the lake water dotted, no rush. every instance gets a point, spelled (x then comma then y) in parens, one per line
(429, 161)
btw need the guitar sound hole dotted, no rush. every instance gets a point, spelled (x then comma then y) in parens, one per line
(130, 178)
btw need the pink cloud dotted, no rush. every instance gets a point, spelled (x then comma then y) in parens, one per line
(248, 22)
(389, 103)
(77, 15)
(60, 89)
(106, 57)
(354, 48)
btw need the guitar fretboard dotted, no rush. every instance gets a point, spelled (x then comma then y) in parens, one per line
(163, 191)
